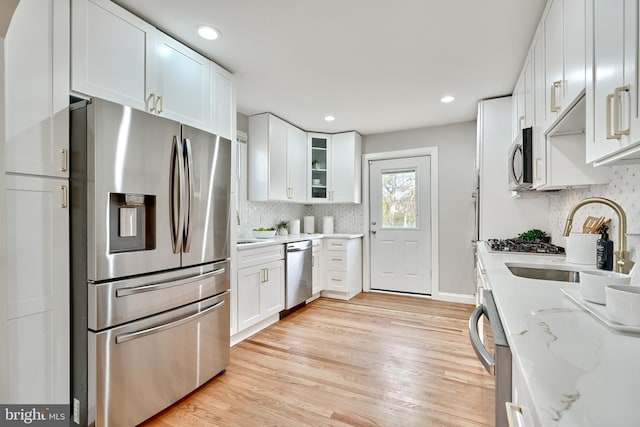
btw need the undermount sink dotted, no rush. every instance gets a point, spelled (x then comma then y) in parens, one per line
(544, 273)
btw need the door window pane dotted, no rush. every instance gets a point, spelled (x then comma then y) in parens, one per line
(399, 199)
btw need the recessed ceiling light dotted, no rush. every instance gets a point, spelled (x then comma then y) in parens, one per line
(329, 118)
(209, 33)
(447, 99)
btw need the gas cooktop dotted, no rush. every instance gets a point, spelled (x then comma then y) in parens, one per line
(524, 246)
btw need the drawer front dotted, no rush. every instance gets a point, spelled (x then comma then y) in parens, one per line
(336, 261)
(257, 256)
(336, 244)
(336, 281)
(170, 354)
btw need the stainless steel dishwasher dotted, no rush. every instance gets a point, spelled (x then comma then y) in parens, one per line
(298, 279)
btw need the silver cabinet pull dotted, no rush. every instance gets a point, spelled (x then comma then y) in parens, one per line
(512, 409)
(617, 105)
(610, 135)
(65, 160)
(151, 97)
(555, 108)
(64, 204)
(144, 332)
(159, 104)
(123, 292)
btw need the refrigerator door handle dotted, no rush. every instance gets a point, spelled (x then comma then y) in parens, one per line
(188, 224)
(176, 193)
(123, 292)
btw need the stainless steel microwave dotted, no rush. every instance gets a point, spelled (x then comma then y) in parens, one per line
(520, 162)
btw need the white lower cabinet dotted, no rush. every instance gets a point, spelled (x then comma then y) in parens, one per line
(520, 411)
(37, 250)
(342, 268)
(317, 267)
(261, 274)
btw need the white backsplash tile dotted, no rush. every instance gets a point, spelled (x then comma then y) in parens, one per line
(347, 217)
(623, 188)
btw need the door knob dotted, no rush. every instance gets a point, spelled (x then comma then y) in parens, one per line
(373, 231)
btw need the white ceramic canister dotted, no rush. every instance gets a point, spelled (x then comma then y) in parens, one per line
(581, 248)
(309, 224)
(327, 225)
(294, 227)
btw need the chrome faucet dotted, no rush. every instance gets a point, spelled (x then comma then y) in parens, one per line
(622, 262)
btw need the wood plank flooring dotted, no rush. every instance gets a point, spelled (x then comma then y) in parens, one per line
(377, 360)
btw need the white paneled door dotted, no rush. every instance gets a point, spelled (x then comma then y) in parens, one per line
(400, 229)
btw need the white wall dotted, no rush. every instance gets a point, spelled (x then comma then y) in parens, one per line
(456, 153)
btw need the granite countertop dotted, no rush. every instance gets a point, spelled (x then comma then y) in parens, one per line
(253, 242)
(578, 371)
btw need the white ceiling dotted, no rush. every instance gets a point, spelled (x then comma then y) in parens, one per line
(376, 65)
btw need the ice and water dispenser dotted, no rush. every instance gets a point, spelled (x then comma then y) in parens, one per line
(132, 224)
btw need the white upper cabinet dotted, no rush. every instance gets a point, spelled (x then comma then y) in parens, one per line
(109, 52)
(223, 105)
(335, 167)
(613, 131)
(178, 78)
(346, 166)
(37, 89)
(277, 160)
(117, 56)
(539, 107)
(564, 34)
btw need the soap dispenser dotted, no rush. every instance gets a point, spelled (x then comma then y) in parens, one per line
(604, 250)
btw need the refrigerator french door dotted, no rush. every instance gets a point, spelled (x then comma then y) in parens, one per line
(150, 250)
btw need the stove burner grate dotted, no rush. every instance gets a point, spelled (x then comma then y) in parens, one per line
(525, 246)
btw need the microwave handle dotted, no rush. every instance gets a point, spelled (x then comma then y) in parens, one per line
(516, 179)
(488, 362)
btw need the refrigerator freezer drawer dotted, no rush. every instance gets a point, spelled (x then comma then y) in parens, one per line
(141, 368)
(114, 303)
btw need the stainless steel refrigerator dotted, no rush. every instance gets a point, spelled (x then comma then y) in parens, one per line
(150, 261)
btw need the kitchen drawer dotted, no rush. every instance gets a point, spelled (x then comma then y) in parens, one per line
(142, 367)
(336, 261)
(261, 255)
(336, 281)
(336, 244)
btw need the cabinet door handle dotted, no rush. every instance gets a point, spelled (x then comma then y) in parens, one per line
(617, 106)
(266, 274)
(521, 122)
(64, 204)
(610, 135)
(159, 104)
(536, 171)
(555, 108)
(65, 160)
(151, 97)
(512, 409)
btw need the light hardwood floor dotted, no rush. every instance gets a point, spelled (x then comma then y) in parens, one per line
(377, 360)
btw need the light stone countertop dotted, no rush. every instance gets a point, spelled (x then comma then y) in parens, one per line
(253, 242)
(578, 371)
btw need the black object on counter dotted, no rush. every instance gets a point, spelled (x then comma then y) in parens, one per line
(604, 250)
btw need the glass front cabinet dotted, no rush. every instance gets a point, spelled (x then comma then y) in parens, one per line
(318, 147)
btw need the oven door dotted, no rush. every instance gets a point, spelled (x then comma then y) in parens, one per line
(493, 351)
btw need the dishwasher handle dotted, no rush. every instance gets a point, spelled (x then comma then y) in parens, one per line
(488, 362)
(298, 249)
